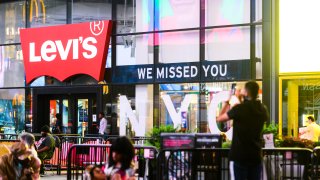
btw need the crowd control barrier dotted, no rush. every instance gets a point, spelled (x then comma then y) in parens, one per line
(82, 155)
(278, 163)
(9, 136)
(65, 145)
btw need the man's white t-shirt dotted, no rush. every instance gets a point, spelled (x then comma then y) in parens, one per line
(103, 126)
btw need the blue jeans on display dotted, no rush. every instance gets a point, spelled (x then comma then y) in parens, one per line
(247, 171)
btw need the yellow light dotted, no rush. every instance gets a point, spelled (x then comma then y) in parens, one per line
(299, 36)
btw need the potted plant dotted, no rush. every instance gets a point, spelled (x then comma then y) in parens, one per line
(270, 133)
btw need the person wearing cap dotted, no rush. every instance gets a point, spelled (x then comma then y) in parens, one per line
(20, 163)
(45, 146)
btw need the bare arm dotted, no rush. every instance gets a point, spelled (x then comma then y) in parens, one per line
(46, 148)
(223, 113)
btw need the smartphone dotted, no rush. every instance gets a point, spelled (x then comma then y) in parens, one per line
(233, 88)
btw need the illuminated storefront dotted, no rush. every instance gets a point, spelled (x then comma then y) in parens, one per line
(299, 64)
(167, 59)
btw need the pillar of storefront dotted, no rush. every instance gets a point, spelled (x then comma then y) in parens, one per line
(293, 98)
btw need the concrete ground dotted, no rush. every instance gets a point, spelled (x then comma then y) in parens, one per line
(54, 177)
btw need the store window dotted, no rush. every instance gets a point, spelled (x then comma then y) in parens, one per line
(258, 54)
(227, 43)
(177, 14)
(88, 10)
(213, 94)
(134, 49)
(222, 12)
(179, 106)
(11, 66)
(299, 99)
(181, 46)
(134, 16)
(47, 12)
(12, 20)
(12, 110)
(131, 109)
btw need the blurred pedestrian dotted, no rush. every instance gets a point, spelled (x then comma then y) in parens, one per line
(120, 166)
(312, 131)
(56, 128)
(45, 146)
(29, 139)
(93, 172)
(103, 126)
(248, 119)
(19, 164)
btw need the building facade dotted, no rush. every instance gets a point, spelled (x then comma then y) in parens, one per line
(170, 62)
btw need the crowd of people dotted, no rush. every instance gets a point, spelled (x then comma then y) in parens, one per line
(25, 159)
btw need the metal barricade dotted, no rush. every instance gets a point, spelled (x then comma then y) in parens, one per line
(287, 163)
(80, 156)
(67, 142)
(139, 140)
(316, 163)
(193, 164)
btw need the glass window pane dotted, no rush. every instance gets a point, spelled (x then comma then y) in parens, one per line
(177, 47)
(132, 102)
(88, 10)
(12, 110)
(258, 58)
(134, 50)
(300, 99)
(227, 43)
(258, 10)
(177, 14)
(179, 105)
(12, 19)
(224, 12)
(135, 16)
(11, 66)
(47, 12)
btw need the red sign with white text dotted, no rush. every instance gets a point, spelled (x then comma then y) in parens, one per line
(67, 50)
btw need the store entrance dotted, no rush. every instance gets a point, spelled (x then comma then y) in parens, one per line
(78, 110)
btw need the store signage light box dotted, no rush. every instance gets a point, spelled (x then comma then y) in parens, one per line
(299, 36)
(67, 50)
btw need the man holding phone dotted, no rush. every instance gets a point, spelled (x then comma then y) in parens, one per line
(248, 119)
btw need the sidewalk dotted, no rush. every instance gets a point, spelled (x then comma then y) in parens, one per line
(55, 177)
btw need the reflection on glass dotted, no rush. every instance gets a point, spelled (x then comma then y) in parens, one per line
(82, 116)
(222, 12)
(88, 10)
(177, 14)
(221, 42)
(12, 110)
(47, 12)
(177, 47)
(11, 66)
(179, 105)
(12, 20)
(134, 50)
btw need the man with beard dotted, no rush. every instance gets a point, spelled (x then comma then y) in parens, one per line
(20, 163)
(45, 146)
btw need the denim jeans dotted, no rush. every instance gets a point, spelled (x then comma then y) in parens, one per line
(244, 171)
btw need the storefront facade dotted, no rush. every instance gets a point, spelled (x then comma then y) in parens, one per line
(298, 59)
(169, 62)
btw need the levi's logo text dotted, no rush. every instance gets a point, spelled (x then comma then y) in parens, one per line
(67, 50)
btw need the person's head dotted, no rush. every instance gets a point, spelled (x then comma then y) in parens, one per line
(27, 138)
(45, 130)
(101, 115)
(122, 152)
(94, 173)
(310, 119)
(21, 153)
(58, 116)
(251, 89)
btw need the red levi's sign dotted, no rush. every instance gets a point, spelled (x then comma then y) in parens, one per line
(67, 50)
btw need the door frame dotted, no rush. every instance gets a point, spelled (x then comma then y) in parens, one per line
(40, 95)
